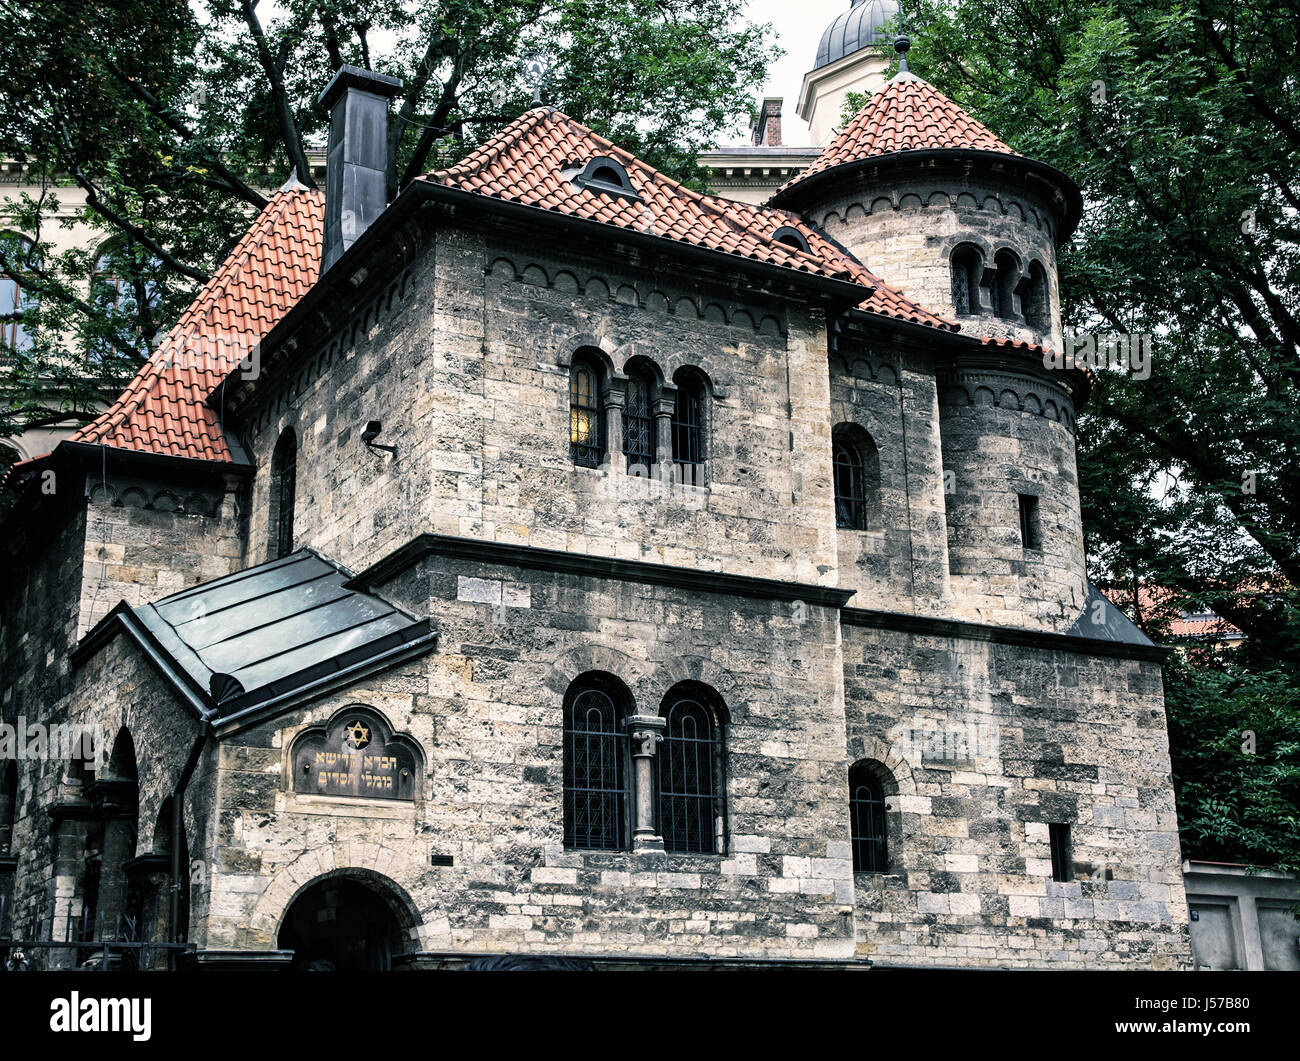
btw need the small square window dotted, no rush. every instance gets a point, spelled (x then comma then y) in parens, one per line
(1031, 535)
(1058, 836)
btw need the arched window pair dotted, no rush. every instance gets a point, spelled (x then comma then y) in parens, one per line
(17, 301)
(1013, 293)
(602, 737)
(867, 823)
(588, 427)
(856, 470)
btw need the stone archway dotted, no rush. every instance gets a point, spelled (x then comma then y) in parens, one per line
(346, 921)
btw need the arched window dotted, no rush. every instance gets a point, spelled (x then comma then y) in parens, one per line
(595, 767)
(689, 781)
(1008, 279)
(867, 819)
(16, 301)
(586, 415)
(856, 469)
(284, 484)
(967, 272)
(1037, 299)
(639, 427)
(688, 426)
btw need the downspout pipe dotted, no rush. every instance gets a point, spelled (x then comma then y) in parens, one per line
(178, 820)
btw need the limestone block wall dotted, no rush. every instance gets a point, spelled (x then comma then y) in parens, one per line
(149, 536)
(487, 710)
(905, 227)
(987, 745)
(466, 361)
(1006, 432)
(115, 690)
(900, 562)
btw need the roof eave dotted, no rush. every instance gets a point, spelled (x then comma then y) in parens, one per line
(1070, 215)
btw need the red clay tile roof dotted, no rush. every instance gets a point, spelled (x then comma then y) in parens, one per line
(908, 114)
(163, 410)
(533, 160)
(1159, 604)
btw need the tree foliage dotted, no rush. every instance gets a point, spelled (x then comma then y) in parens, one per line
(173, 118)
(1178, 119)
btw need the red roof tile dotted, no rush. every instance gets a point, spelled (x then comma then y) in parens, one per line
(532, 160)
(908, 114)
(163, 410)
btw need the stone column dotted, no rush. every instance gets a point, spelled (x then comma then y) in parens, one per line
(614, 399)
(664, 406)
(646, 732)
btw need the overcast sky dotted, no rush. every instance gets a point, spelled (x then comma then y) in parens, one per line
(799, 26)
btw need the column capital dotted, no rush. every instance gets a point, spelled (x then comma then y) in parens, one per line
(646, 733)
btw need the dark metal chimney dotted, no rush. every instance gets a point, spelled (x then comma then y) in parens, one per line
(356, 163)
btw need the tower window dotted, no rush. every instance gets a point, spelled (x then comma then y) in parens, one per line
(1058, 835)
(639, 424)
(967, 272)
(1031, 535)
(867, 820)
(586, 416)
(1037, 300)
(688, 428)
(1008, 281)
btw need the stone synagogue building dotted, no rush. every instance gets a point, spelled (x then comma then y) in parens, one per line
(558, 562)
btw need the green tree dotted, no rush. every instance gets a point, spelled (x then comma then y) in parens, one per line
(1235, 735)
(1178, 118)
(174, 117)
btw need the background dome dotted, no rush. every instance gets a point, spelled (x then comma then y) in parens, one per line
(855, 29)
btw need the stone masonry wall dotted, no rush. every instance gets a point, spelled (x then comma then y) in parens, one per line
(1025, 737)
(1005, 434)
(906, 230)
(487, 709)
(468, 365)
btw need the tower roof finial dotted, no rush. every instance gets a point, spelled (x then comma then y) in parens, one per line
(901, 46)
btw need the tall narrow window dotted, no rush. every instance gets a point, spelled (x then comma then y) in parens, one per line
(595, 771)
(687, 808)
(284, 484)
(1008, 279)
(586, 417)
(855, 466)
(688, 429)
(1058, 836)
(867, 820)
(850, 494)
(639, 425)
(1031, 536)
(967, 271)
(1038, 300)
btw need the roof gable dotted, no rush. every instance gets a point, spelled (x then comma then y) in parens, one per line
(163, 410)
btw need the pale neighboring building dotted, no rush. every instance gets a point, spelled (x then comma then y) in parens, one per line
(846, 62)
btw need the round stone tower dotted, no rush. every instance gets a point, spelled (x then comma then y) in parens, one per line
(944, 211)
(939, 208)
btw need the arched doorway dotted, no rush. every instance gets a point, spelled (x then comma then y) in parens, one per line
(343, 923)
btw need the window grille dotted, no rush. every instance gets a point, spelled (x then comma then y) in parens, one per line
(639, 426)
(850, 488)
(688, 431)
(586, 419)
(595, 789)
(686, 779)
(867, 821)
